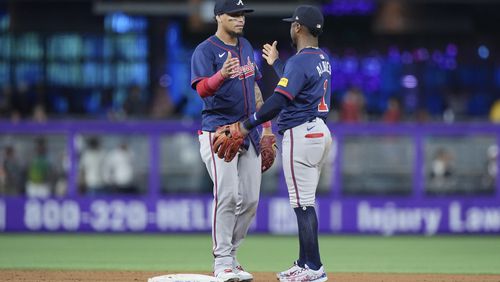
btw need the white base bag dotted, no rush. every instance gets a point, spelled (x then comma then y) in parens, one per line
(184, 278)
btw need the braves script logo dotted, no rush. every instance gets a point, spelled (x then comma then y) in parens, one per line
(245, 71)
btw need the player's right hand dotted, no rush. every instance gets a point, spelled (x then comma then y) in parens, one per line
(270, 53)
(230, 66)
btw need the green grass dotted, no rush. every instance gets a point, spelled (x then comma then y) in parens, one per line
(468, 255)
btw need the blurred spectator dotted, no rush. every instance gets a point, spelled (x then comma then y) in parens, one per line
(90, 168)
(134, 105)
(61, 174)
(393, 112)
(442, 171)
(457, 103)
(39, 171)
(352, 108)
(21, 100)
(10, 173)
(9, 105)
(422, 115)
(119, 170)
(162, 106)
(489, 180)
(495, 112)
(5, 101)
(449, 115)
(39, 114)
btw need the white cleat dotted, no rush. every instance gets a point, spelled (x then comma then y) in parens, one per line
(242, 274)
(295, 267)
(305, 275)
(227, 275)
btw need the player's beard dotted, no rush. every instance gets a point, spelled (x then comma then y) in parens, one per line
(235, 34)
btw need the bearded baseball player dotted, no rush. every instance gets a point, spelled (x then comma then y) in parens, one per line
(224, 72)
(302, 100)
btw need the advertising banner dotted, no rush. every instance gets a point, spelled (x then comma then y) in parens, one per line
(275, 216)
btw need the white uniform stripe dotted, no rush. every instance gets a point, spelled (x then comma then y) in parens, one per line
(292, 170)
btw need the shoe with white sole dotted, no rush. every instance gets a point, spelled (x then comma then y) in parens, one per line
(305, 274)
(295, 267)
(227, 275)
(242, 274)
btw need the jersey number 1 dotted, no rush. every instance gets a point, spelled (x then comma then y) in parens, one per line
(322, 106)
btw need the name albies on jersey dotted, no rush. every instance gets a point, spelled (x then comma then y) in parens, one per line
(306, 81)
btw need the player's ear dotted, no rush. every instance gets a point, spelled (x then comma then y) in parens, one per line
(298, 27)
(218, 19)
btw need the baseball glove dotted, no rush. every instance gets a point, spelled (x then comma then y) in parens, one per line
(227, 141)
(267, 151)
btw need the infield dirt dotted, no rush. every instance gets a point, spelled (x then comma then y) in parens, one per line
(134, 276)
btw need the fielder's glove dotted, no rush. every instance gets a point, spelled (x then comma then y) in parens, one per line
(267, 151)
(227, 141)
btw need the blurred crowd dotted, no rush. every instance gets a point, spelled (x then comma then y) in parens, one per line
(40, 172)
(401, 86)
(106, 172)
(444, 179)
(38, 103)
(36, 173)
(34, 104)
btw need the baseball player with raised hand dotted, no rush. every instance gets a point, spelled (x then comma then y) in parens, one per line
(224, 72)
(302, 100)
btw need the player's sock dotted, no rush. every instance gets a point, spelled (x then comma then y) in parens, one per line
(302, 255)
(308, 235)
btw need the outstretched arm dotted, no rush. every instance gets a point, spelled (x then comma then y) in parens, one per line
(271, 108)
(271, 55)
(259, 101)
(208, 86)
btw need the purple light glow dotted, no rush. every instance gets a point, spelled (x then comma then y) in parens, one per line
(350, 65)
(451, 50)
(483, 52)
(409, 81)
(437, 56)
(450, 63)
(407, 58)
(394, 54)
(372, 84)
(371, 66)
(421, 54)
(349, 7)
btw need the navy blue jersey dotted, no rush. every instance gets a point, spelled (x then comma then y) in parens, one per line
(235, 99)
(306, 81)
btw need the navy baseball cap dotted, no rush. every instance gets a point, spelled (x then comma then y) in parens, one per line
(230, 6)
(309, 16)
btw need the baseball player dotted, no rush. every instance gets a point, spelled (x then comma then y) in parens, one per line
(224, 72)
(302, 99)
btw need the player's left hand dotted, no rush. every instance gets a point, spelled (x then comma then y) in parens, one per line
(267, 150)
(270, 52)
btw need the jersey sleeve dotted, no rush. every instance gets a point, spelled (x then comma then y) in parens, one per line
(201, 66)
(292, 81)
(258, 74)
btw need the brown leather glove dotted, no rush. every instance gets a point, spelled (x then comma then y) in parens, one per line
(267, 151)
(227, 141)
